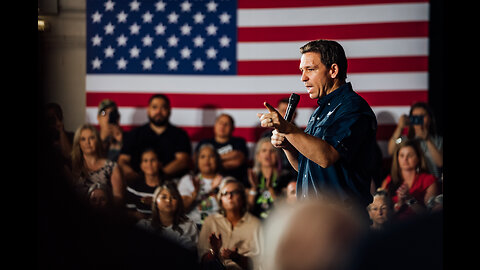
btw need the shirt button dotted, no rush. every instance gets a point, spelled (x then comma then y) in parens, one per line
(328, 103)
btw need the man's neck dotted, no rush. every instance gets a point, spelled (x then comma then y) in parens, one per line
(336, 85)
(158, 129)
(221, 139)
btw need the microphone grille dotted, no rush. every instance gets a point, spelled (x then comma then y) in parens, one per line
(294, 98)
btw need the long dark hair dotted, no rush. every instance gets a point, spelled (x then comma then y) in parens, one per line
(396, 173)
(432, 128)
(179, 216)
(218, 160)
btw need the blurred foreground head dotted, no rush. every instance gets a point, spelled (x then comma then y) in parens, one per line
(311, 235)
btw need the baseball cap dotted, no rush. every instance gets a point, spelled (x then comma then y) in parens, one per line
(105, 104)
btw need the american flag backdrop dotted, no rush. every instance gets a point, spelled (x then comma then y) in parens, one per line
(215, 56)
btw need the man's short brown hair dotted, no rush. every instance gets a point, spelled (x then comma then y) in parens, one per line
(331, 52)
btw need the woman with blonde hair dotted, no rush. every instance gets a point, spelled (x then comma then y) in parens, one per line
(89, 166)
(267, 178)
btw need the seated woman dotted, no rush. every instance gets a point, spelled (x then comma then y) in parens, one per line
(231, 237)
(380, 210)
(199, 191)
(89, 166)
(266, 178)
(168, 217)
(408, 183)
(140, 192)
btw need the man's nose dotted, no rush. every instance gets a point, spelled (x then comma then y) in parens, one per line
(304, 77)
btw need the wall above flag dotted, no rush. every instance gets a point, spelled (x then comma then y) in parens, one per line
(215, 56)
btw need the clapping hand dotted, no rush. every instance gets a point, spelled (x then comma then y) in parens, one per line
(215, 242)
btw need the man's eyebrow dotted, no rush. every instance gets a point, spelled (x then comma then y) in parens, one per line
(307, 67)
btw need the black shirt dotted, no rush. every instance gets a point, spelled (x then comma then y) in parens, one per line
(344, 120)
(171, 141)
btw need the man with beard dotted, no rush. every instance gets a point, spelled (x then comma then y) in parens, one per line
(171, 143)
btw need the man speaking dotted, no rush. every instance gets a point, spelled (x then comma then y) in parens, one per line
(336, 156)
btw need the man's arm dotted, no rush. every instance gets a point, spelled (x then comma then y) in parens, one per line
(313, 148)
(126, 169)
(233, 159)
(180, 162)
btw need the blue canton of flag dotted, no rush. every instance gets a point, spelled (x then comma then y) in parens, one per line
(161, 37)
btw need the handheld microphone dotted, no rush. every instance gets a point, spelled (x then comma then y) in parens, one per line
(292, 105)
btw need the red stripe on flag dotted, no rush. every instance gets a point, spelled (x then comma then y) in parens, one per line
(250, 101)
(394, 98)
(204, 101)
(246, 4)
(341, 32)
(355, 65)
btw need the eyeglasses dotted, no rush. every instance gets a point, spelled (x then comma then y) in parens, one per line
(233, 192)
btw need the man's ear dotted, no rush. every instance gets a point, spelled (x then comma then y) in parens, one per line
(333, 71)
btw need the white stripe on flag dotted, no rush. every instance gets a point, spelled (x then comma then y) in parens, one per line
(246, 84)
(333, 15)
(362, 48)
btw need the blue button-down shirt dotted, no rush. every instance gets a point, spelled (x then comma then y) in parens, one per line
(344, 120)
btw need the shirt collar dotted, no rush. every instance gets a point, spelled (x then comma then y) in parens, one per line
(344, 87)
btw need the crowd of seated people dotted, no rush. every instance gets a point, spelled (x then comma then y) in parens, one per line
(209, 200)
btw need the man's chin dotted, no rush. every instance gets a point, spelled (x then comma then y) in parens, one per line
(159, 123)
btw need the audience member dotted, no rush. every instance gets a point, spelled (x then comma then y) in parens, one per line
(111, 133)
(311, 234)
(60, 138)
(421, 126)
(168, 217)
(171, 143)
(289, 193)
(265, 178)
(140, 192)
(408, 183)
(89, 166)
(380, 210)
(199, 190)
(233, 236)
(233, 150)
(100, 196)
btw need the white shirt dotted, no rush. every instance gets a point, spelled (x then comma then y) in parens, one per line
(205, 205)
(188, 239)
